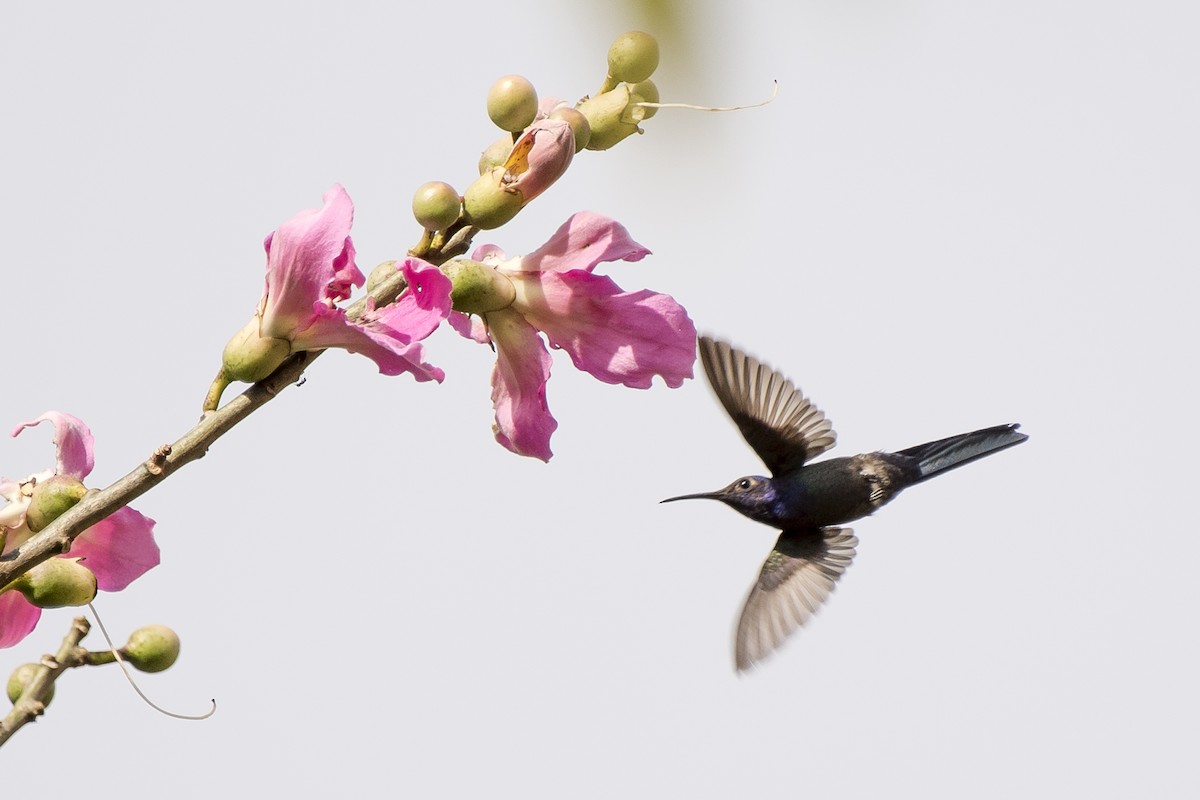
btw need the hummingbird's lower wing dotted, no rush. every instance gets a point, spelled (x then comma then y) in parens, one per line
(795, 580)
(775, 418)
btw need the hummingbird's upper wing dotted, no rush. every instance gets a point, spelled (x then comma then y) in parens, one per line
(795, 580)
(776, 419)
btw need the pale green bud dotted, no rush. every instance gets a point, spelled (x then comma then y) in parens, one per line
(643, 92)
(578, 122)
(382, 271)
(495, 155)
(51, 498)
(249, 357)
(152, 648)
(609, 117)
(633, 57)
(478, 288)
(512, 103)
(20, 679)
(436, 205)
(488, 203)
(57, 582)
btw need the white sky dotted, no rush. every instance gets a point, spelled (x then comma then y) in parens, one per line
(955, 215)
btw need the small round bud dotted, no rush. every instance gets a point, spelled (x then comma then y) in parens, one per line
(495, 155)
(477, 288)
(512, 103)
(643, 92)
(152, 648)
(578, 122)
(250, 357)
(633, 57)
(436, 205)
(57, 582)
(488, 203)
(51, 498)
(19, 681)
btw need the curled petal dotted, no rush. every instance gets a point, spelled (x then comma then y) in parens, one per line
(424, 304)
(310, 265)
(615, 336)
(118, 549)
(391, 350)
(73, 441)
(470, 327)
(17, 618)
(523, 420)
(582, 242)
(388, 335)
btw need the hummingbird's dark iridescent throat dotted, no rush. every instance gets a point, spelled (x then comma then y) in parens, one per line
(809, 502)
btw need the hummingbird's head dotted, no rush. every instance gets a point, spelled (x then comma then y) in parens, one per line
(752, 495)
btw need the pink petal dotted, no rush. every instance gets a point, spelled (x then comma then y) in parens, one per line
(118, 549)
(18, 617)
(388, 335)
(582, 242)
(74, 441)
(424, 304)
(615, 336)
(372, 337)
(523, 420)
(470, 327)
(310, 262)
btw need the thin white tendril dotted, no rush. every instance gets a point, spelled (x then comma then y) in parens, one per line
(774, 94)
(121, 663)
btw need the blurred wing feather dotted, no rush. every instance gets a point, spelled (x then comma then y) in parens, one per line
(796, 579)
(775, 417)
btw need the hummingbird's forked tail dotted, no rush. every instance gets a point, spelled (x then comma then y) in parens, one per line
(945, 454)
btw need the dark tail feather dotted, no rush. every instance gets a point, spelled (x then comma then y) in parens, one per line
(944, 454)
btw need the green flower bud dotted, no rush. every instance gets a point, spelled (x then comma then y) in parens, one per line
(633, 57)
(578, 122)
(495, 155)
(643, 92)
(152, 648)
(20, 679)
(610, 117)
(512, 103)
(477, 287)
(488, 203)
(249, 357)
(383, 271)
(51, 498)
(436, 205)
(57, 582)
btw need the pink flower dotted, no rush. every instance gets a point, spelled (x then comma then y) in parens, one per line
(117, 549)
(310, 268)
(616, 336)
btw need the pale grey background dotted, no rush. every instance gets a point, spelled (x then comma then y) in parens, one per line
(954, 215)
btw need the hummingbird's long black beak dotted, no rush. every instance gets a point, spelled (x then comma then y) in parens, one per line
(697, 496)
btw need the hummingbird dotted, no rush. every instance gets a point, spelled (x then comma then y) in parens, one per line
(809, 502)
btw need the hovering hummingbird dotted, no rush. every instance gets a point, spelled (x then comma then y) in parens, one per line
(809, 502)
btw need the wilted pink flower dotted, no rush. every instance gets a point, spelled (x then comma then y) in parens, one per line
(310, 268)
(616, 336)
(117, 549)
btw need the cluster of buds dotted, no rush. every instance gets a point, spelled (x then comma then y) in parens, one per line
(152, 648)
(541, 137)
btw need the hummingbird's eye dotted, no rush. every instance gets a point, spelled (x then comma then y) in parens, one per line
(744, 483)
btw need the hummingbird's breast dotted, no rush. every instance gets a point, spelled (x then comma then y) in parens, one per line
(843, 489)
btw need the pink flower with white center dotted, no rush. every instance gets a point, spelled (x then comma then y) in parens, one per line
(310, 268)
(117, 549)
(616, 336)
